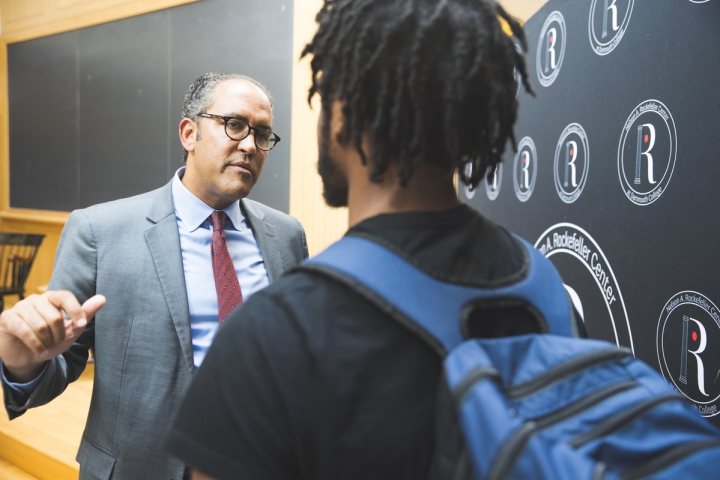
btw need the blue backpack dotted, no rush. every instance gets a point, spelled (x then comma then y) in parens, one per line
(533, 401)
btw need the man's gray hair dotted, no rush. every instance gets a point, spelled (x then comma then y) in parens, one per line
(200, 95)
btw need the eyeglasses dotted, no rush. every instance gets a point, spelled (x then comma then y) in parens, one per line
(238, 129)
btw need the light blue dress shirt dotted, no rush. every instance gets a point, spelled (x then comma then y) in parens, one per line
(193, 221)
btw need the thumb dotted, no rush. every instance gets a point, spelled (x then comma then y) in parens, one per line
(91, 306)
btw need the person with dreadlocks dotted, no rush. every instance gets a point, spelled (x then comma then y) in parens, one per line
(310, 379)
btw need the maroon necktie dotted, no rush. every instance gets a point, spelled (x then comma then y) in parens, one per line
(226, 281)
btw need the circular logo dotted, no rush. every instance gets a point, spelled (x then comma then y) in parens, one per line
(493, 183)
(608, 22)
(551, 48)
(525, 169)
(647, 152)
(687, 338)
(699, 1)
(589, 281)
(572, 162)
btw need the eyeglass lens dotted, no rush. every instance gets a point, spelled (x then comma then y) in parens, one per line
(238, 130)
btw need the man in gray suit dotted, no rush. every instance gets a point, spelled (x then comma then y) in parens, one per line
(171, 263)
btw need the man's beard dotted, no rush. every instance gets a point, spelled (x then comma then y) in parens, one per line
(335, 185)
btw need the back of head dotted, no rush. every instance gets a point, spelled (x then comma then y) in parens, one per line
(428, 80)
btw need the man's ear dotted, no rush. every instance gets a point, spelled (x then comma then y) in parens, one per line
(337, 121)
(188, 129)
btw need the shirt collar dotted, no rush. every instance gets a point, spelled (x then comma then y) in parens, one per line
(193, 212)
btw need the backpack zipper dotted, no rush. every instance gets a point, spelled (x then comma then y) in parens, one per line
(505, 459)
(666, 459)
(566, 369)
(545, 379)
(620, 419)
(471, 378)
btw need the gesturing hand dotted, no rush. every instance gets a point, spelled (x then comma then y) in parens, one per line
(40, 328)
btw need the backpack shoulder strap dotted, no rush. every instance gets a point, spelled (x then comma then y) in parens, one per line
(387, 279)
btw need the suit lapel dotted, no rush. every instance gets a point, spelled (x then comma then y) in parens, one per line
(164, 242)
(266, 238)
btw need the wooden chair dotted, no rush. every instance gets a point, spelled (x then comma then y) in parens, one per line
(17, 253)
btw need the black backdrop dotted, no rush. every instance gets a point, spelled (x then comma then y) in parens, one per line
(94, 112)
(625, 151)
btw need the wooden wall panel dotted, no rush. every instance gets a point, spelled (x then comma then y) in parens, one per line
(61, 4)
(14, 11)
(522, 9)
(323, 225)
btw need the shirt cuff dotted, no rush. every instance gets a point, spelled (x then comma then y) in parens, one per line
(22, 391)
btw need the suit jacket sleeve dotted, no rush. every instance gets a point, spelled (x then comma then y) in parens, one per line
(75, 270)
(303, 240)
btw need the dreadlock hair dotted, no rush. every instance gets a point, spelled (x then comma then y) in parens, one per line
(429, 80)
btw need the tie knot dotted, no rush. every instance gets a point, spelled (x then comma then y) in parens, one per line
(218, 220)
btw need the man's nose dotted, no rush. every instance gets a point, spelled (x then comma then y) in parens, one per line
(247, 144)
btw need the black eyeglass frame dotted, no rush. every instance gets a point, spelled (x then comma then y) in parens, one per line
(250, 129)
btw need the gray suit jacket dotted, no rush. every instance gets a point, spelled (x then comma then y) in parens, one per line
(129, 251)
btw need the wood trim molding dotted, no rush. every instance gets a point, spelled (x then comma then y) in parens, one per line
(58, 18)
(4, 130)
(35, 216)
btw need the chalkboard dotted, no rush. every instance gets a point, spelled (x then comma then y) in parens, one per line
(615, 176)
(94, 112)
